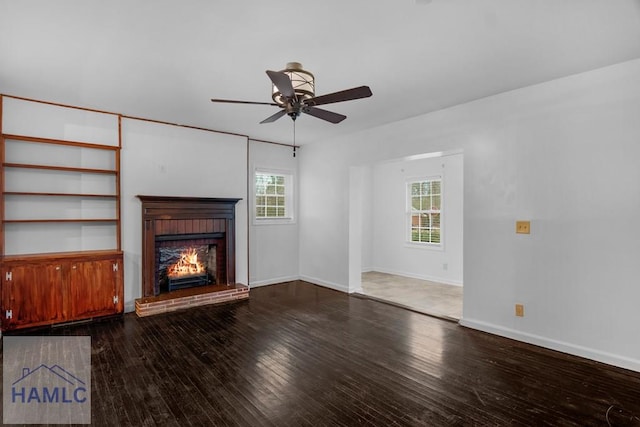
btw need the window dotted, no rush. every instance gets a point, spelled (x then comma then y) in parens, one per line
(273, 196)
(425, 200)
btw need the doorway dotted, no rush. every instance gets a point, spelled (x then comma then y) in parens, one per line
(386, 262)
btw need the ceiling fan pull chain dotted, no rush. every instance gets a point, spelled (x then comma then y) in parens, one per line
(294, 138)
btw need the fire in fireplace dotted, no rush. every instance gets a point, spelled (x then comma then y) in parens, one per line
(187, 271)
(187, 265)
(187, 261)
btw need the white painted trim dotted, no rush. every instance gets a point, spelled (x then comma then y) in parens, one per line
(129, 307)
(419, 276)
(331, 285)
(564, 347)
(268, 282)
(420, 156)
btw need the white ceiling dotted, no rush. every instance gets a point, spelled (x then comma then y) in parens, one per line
(165, 59)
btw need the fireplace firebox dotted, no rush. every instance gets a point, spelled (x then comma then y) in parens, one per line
(188, 260)
(187, 242)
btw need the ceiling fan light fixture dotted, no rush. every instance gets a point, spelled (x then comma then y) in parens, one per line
(302, 81)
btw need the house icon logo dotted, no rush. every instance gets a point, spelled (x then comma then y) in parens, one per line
(46, 380)
(48, 384)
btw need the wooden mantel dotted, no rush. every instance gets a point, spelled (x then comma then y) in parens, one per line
(166, 215)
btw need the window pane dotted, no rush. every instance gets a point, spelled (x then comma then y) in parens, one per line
(279, 201)
(271, 211)
(280, 212)
(424, 220)
(280, 190)
(415, 203)
(425, 188)
(435, 236)
(260, 212)
(426, 203)
(435, 187)
(279, 179)
(260, 200)
(435, 203)
(415, 189)
(271, 189)
(435, 220)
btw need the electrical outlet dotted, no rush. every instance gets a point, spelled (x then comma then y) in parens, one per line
(520, 310)
(523, 227)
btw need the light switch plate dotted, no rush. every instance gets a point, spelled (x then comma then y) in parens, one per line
(523, 227)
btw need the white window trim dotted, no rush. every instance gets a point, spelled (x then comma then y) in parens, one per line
(407, 239)
(290, 197)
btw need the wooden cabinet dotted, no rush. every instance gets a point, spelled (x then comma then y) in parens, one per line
(31, 295)
(45, 290)
(94, 288)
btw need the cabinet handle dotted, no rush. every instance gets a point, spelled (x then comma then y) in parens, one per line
(74, 267)
(57, 267)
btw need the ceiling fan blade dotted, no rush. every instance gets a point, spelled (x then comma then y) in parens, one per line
(233, 101)
(274, 117)
(329, 116)
(343, 95)
(283, 83)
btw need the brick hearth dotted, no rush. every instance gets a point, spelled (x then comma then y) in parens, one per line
(192, 297)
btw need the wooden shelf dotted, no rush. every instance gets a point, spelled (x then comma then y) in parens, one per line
(59, 168)
(25, 138)
(57, 256)
(80, 195)
(26, 221)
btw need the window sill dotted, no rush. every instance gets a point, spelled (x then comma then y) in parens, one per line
(273, 221)
(425, 246)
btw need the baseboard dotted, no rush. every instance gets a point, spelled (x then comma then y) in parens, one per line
(326, 284)
(564, 347)
(258, 283)
(442, 280)
(130, 307)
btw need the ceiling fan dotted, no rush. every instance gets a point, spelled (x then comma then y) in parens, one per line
(293, 91)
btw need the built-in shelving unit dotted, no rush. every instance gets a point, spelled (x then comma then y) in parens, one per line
(60, 239)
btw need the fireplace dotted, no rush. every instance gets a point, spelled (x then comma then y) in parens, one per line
(187, 242)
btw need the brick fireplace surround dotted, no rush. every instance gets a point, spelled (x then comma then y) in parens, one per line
(174, 216)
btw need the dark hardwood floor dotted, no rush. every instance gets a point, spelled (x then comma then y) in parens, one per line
(296, 354)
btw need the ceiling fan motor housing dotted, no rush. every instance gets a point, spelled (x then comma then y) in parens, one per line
(303, 83)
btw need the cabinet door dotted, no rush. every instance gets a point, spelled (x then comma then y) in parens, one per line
(31, 295)
(94, 288)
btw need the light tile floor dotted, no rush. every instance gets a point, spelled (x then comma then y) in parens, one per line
(427, 297)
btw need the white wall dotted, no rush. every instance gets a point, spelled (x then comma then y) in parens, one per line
(562, 154)
(391, 253)
(274, 255)
(162, 160)
(324, 214)
(366, 221)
